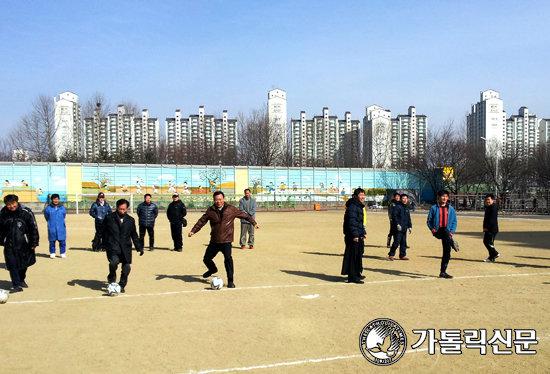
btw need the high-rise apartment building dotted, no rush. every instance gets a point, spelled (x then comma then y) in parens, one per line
(201, 130)
(392, 141)
(119, 132)
(68, 125)
(276, 105)
(544, 132)
(487, 122)
(325, 140)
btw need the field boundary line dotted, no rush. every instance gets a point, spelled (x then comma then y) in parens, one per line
(122, 297)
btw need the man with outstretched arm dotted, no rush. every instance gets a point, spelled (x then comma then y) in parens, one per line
(221, 216)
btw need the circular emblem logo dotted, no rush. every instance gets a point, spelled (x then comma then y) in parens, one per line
(383, 342)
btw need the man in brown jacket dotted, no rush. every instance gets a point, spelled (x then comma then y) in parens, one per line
(221, 217)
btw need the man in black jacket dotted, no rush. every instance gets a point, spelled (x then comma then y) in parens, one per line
(354, 236)
(120, 232)
(490, 227)
(176, 212)
(401, 218)
(391, 206)
(19, 236)
(147, 213)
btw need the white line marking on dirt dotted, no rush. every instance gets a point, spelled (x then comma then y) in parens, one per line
(310, 296)
(307, 361)
(105, 297)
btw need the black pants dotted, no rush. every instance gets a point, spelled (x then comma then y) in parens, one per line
(114, 260)
(352, 264)
(446, 240)
(17, 275)
(98, 241)
(400, 240)
(211, 252)
(151, 232)
(176, 229)
(393, 231)
(489, 241)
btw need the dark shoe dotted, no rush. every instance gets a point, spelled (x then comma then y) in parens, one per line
(454, 244)
(445, 275)
(122, 290)
(24, 284)
(179, 250)
(361, 277)
(230, 284)
(151, 249)
(404, 258)
(356, 281)
(16, 289)
(209, 273)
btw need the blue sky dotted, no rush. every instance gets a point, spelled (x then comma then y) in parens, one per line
(345, 55)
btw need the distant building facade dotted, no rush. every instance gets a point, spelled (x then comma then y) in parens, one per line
(391, 141)
(324, 139)
(201, 130)
(119, 132)
(68, 125)
(276, 105)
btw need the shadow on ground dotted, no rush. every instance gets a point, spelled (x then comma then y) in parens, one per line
(5, 285)
(341, 255)
(498, 261)
(185, 278)
(92, 284)
(399, 273)
(320, 276)
(531, 239)
(43, 255)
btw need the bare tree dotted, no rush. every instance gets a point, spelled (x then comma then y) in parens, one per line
(92, 103)
(36, 130)
(261, 142)
(131, 108)
(541, 166)
(6, 150)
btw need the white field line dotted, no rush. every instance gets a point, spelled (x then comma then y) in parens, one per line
(104, 297)
(300, 362)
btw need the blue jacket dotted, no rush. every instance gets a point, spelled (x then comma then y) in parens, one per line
(433, 219)
(100, 212)
(147, 214)
(55, 216)
(401, 216)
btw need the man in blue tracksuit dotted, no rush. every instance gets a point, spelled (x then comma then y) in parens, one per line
(401, 218)
(99, 210)
(55, 216)
(442, 223)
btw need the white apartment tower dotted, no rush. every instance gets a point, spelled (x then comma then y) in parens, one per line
(68, 125)
(201, 130)
(523, 133)
(391, 141)
(325, 140)
(119, 132)
(276, 105)
(486, 120)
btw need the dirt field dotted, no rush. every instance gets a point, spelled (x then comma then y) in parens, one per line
(291, 312)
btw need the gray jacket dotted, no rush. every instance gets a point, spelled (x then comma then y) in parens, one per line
(249, 207)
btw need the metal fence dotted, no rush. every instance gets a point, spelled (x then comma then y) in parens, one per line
(535, 202)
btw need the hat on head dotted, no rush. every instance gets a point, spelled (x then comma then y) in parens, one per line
(175, 194)
(101, 194)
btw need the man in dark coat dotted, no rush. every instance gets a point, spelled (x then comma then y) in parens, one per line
(221, 216)
(99, 210)
(401, 218)
(147, 213)
(176, 212)
(391, 206)
(490, 227)
(19, 236)
(120, 232)
(354, 236)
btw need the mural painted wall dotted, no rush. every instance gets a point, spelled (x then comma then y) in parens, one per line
(33, 182)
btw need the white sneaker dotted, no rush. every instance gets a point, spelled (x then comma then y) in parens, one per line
(63, 255)
(52, 255)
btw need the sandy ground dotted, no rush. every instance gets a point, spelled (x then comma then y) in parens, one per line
(291, 311)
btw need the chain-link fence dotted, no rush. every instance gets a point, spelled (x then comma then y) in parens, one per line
(535, 202)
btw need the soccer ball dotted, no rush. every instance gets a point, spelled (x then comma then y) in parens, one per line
(4, 296)
(216, 283)
(113, 289)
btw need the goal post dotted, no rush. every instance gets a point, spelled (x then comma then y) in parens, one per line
(85, 200)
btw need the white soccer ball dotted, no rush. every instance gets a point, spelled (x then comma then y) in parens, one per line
(216, 283)
(113, 289)
(4, 296)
